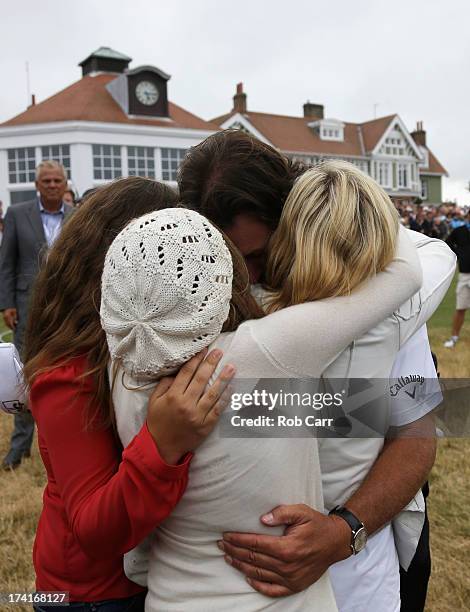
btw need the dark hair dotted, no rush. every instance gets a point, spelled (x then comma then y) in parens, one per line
(64, 316)
(72, 192)
(86, 194)
(64, 319)
(232, 172)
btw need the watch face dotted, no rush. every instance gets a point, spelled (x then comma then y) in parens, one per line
(147, 93)
(360, 539)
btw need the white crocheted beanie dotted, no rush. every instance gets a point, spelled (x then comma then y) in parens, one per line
(165, 291)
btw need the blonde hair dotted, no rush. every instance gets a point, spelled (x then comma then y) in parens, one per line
(338, 228)
(50, 164)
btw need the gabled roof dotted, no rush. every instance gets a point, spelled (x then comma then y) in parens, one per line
(372, 131)
(89, 100)
(292, 135)
(435, 166)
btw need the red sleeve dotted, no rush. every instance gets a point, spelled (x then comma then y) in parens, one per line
(111, 505)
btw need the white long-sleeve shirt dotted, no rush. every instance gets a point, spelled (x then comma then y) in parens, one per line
(233, 481)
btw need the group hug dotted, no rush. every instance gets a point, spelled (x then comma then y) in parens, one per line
(150, 303)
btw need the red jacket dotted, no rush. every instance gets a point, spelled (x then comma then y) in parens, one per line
(97, 504)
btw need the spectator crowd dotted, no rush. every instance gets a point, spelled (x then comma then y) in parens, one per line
(435, 221)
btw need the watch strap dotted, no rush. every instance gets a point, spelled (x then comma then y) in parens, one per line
(350, 518)
(357, 528)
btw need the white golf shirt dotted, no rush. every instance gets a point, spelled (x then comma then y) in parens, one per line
(371, 580)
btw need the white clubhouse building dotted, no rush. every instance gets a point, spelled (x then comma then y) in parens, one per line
(117, 121)
(113, 122)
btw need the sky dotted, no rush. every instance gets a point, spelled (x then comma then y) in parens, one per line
(358, 58)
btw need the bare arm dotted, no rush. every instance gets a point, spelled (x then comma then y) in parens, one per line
(280, 566)
(413, 448)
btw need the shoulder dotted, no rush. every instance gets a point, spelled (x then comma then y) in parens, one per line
(61, 393)
(23, 208)
(71, 373)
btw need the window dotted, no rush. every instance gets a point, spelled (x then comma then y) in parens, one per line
(328, 129)
(424, 190)
(403, 175)
(58, 153)
(106, 162)
(425, 153)
(395, 150)
(171, 159)
(331, 134)
(141, 161)
(383, 174)
(21, 165)
(362, 164)
(17, 197)
(397, 145)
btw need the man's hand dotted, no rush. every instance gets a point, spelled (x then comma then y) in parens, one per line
(282, 565)
(10, 316)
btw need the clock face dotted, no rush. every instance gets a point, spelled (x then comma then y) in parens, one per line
(147, 93)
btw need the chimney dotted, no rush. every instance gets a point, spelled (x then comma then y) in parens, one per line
(313, 111)
(239, 100)
(419, 135)
(33, 101)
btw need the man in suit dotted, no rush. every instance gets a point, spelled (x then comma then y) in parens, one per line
(30, 230)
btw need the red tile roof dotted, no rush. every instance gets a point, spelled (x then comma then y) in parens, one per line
(292, 134)
(435, 166)
(89, 100)
(373, 131)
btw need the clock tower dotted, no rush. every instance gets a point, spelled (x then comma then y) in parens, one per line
(140, 92)
(147, 91)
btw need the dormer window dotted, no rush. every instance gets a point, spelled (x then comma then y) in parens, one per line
(328, 129)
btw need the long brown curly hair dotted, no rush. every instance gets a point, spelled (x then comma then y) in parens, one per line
(64, 319)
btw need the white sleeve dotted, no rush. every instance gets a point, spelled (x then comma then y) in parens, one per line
(414, 386)
(136, 562)
(303, 340)
(438, 263)
(130, 401)
(130, 404)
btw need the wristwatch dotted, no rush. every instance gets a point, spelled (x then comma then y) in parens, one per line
(358, 531)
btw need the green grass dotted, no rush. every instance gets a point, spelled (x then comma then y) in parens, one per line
(453, 363)
(5, 334)
(448, 506)
(443, 316)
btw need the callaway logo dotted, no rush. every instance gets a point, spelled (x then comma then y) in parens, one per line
(403, 381)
